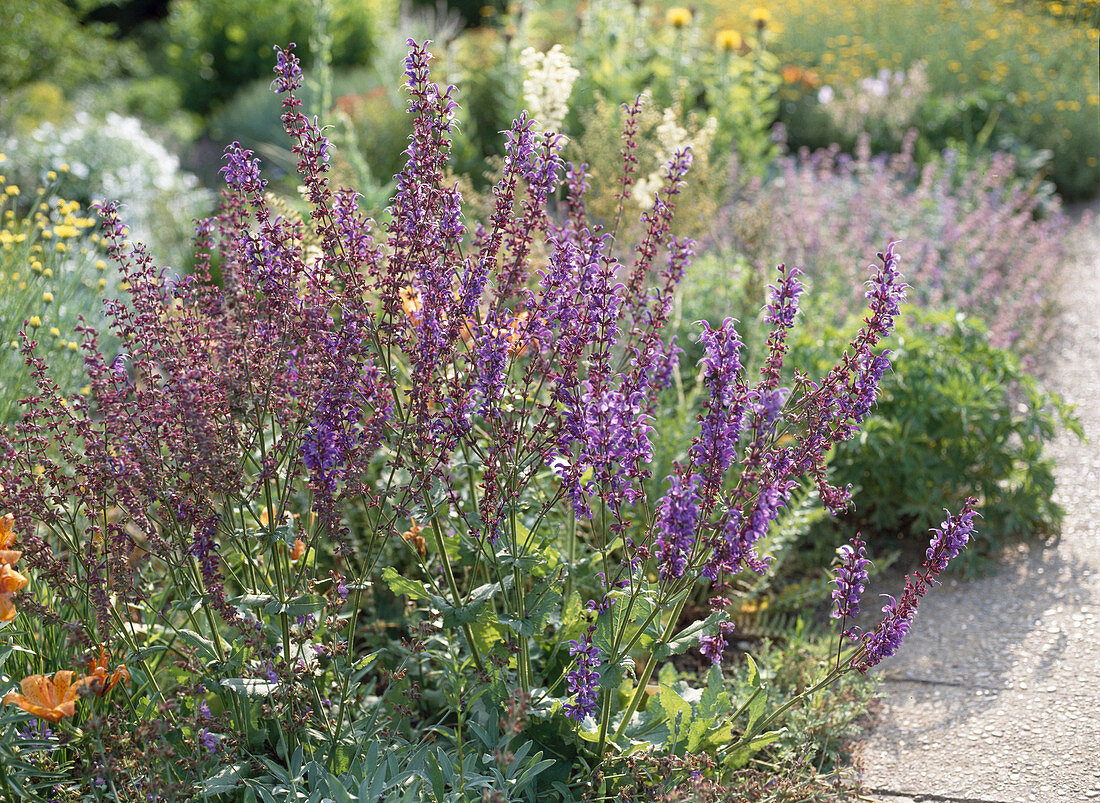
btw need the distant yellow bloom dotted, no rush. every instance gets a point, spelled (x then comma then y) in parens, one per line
(12, 189)
(761, 17)
(678, 17)
(728, 40)
(34, 321)
(47, 699)
(47, 297)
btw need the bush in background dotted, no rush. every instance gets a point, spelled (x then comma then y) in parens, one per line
(979, 239)
(212, 48)
(114, 157)
(1005, 75)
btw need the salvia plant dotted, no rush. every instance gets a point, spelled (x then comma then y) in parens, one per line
(453, 414)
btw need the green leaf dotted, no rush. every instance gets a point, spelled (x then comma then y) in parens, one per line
(403, 585)
(249, 687)
(690, 635)
(224, 781)
(715, 701)
(299, 606)
(202, 644)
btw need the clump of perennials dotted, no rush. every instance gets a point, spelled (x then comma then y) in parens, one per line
(458, 413)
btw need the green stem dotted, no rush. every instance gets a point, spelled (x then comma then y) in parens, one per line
(466, 629)
(651, 664)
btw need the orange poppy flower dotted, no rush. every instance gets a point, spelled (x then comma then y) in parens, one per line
(100, 679)
(299, 549)
(7, 538)
(411, 303)
(11, 582)
(47, 699)
(413, 536)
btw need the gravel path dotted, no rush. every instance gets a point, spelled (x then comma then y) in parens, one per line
(995, 696)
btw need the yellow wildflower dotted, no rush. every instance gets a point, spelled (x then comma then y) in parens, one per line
(728, 40)
(678, 17)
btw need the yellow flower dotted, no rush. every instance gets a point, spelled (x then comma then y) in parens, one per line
(12, 189)
(728, 40)
(761, 17)
(34, 321)
(678, 17)
(11, 583)
(47, 297)
(47, 699)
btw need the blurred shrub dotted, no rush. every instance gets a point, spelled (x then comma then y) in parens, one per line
(113, 157)
(999, 73)
(214, 47)
(956, 415)
(43, 41)
(974, 236)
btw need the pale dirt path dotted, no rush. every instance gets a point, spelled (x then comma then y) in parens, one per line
(995, 696)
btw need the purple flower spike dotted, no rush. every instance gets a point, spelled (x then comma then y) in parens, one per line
(851, 578)
(584, 681)
(679, 513)
(947, 541)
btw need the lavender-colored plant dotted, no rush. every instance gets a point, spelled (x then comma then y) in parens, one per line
(975, 238)
(492, 384)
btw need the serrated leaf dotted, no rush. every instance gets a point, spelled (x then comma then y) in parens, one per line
(403, 585)
(714, 703)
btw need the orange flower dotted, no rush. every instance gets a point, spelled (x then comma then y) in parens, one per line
(413, 536)
(47, 699)
(7, 538)
(299, 549)
(100, 679)
(790, 73)
(11, 582)
(411, 303)
(516, 329)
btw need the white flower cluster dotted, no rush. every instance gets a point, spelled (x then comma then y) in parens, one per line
(114, 158)
(888, 100)
(548, 80)
(672, 137)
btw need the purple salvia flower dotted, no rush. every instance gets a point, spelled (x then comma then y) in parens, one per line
(712, 647)
(950, 538)
(677, 519)
(850, 578)
(781, 313)
(720, 428)
(583, 681)
(946, 543)
(207, 740)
